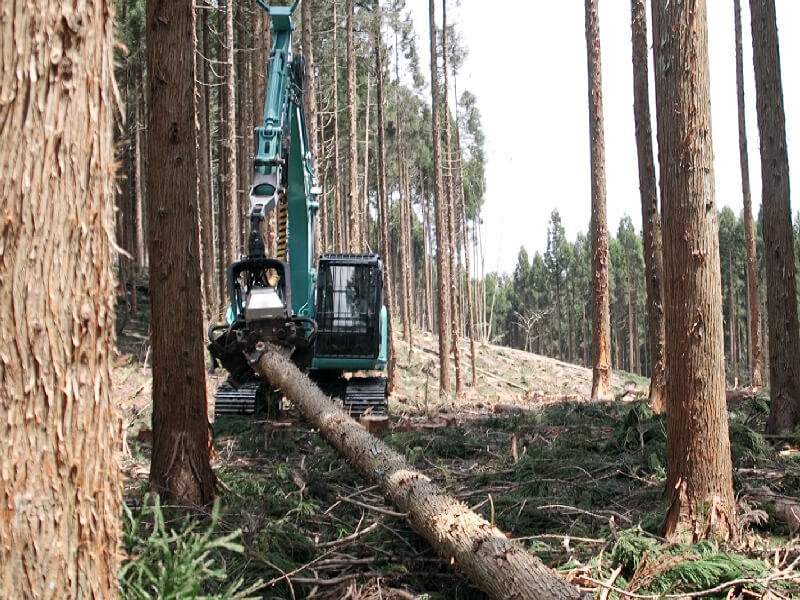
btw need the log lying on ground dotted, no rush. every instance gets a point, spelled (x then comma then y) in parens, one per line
(495, 564)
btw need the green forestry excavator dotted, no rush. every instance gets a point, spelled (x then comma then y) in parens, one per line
(330, 316)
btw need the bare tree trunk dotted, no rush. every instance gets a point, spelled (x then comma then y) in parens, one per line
(733, 316)
(651, 220)
(140, 242)
(440, 205)
(338, 209)
(465, 246)
(356, 241)
(753, 291)
(450, 211)
(310, 108)
(232, 229)
(383, 200)
(59, 463)
(405, 223)
(180, 467)
(498, 566)
(364, 207)
(601, 367)
(409, 260)
(784, 339)
(699, 489)
(426, 236)
(206, 210)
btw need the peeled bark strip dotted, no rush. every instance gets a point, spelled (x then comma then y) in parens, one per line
(498, 566)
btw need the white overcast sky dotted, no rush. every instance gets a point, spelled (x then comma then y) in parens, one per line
(527, 67)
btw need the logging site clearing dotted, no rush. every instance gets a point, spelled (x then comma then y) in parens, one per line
(580, 484)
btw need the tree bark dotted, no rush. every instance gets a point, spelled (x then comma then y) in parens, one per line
(426, 250)
(180, 467)
(310, 107)
(355, 241)
(338, 211)
(440, 202)
(753, 291)
(206, 209)
(784, 339)
(733, 325)
(59, 464)
(498, 566)
(601, 364)
(384, 204)
(450, 209)
(699, 490)
(232, 228)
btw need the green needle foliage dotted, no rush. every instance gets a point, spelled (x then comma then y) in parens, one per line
(175, 565)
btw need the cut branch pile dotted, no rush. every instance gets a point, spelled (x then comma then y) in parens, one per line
(498, 566)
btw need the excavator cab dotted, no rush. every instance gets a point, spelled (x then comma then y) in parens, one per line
(348, 307)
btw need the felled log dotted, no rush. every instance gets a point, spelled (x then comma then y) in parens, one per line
(495, 564)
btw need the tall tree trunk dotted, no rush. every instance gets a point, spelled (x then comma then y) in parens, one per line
(601, 366)
(733, 325)
(651, 220)
(753, 292)
(180, 466)
(59, 462)
(383, 200)
(631, 352)
(699, 490)
(206, 210)
(440, 204)
(356, 242)
(450, 212)
(232, 228)
(409, 260)
(140, 242)
(338, 209)
(784, 339)
(426, 249)
(310, 108)
(364, 207)
(465, 247)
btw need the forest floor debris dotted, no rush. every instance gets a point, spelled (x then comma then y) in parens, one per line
(580, 483)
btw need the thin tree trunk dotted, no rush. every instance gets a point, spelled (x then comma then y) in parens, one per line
(732, 326)
(140, 242)
(354, 211)
(338, 209)
(383, 200)
(59, 463)
(405, 265)
(180, 466)
(601, 367)
(310, 108)
(753, 292)
(699, 489)
(232, 229)
(206, 211)
(364, 207)
(464, 236)
(449, 210)
(498, 566)
(631, 353)
(784, 339)
(651, 220)
(411, 283)
(440, 205)
(426, 226)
